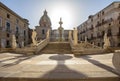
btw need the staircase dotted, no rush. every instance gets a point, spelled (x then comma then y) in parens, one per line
(57, 48)
(28, 50)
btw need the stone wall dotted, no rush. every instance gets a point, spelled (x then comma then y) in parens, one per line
(116, 60)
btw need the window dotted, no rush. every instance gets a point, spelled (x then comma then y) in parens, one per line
(17, 29)
(7, 44)
(98, 44)
(24, 32)
(91, 36)
(44, 24)
(102, 20)
(7, 26)
(109, 33)
(98, 34)
(98, 15)
(103, 32)
(8, 16)
(8, 35)
(91, 19)
(17, 21)
(0, 21)
(102, 12)
(16, 37)
(43, 31)
(109, 24)
(24, 25)
(111, 19)
(98, 22)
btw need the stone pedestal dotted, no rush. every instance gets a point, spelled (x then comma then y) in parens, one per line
(116, 60)
(34, 37)
(14, 44)
(48, 34)
(70, 34)
(85, 39)
(61, 31)
(106, 42)
(75, 36)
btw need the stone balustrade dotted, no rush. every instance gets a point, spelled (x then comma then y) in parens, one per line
(82, 47)
(41, 45)
(116, 60)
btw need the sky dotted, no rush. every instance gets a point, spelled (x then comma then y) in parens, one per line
(72, 12)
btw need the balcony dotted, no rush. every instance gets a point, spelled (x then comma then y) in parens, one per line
(8, 31)
(99, 24)
(107, 21)
(91, 28)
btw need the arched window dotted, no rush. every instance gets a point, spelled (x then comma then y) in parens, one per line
(7, 26)
(43, 31)
(109, 33)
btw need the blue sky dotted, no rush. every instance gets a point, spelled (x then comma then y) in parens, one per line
(73, 12)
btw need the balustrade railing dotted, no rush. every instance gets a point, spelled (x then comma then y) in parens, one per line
(41, 45)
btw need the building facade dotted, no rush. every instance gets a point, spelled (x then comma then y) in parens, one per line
(105, 21)
(44, 26)
(12, 24)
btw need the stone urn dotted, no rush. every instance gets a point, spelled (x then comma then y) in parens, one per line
(116, 60)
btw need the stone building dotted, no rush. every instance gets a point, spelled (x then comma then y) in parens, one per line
(12, 24)
(44, 26)
(105, 21)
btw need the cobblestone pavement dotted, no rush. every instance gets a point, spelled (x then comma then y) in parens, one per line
(55, 66)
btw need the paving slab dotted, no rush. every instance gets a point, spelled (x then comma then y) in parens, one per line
(57, 66)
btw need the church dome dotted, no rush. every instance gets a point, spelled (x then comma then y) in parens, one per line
(45, 20)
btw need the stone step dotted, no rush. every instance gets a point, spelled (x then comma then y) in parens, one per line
(47, 79)
(57, 47)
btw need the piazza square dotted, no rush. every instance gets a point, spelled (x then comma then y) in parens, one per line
(45, 52)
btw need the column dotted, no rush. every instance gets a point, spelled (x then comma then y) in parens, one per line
(14, 44)
(70, 34)
(75, 36)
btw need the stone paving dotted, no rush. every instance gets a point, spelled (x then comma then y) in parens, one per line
(57, 66)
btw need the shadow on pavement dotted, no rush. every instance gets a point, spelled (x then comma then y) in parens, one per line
(18, 59)
(101, 65)
(61, 71)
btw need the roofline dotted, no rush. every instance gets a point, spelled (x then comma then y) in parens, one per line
(11, 11)
(100, 11)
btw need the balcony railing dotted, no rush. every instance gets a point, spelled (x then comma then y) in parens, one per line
(105, 22)
(8, 30)
(91, 28)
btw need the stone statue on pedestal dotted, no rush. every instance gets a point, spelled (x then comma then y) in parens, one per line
(85, 39)
(106, 41)
(75, 36)
(14, 44)
(34, 37)
(48, 34)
